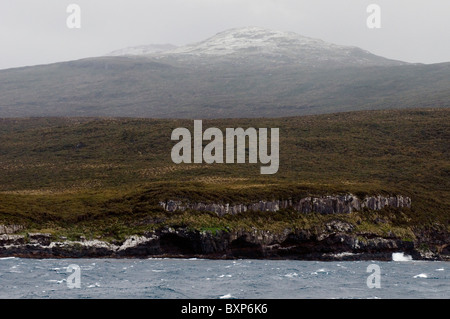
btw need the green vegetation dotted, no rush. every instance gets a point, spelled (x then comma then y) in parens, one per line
(104, 177)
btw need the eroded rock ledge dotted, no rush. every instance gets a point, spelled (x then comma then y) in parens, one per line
(336, 241)
(332, 204)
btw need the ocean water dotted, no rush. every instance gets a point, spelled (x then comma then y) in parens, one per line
(201, 278)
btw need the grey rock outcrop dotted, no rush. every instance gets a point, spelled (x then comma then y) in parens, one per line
(332, 204)
(6, 240)
(39, 238)
(10, 229)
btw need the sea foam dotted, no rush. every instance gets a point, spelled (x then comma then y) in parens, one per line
(401, 257)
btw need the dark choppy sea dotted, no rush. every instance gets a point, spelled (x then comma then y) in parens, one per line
(198, 278)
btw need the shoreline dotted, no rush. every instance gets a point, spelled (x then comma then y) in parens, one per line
(210, 258)
(229, 245)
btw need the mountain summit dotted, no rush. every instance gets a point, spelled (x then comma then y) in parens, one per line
(271, 46)
(254, 40)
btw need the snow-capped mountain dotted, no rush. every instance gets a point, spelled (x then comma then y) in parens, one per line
(246, 72)
(275, 46)
(258, 40)
(143, 50)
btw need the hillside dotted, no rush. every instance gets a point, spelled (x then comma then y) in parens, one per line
(104, 177)
(249, 72)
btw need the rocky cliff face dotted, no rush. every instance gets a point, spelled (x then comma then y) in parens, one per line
(335, 204)
(336, 241)
(10, 229)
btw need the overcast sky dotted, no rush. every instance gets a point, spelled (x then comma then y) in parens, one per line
(35, 32)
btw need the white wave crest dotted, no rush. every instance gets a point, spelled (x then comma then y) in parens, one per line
(401, 257)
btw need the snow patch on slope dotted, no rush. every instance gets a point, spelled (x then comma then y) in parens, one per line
(143, 50)
(254, 38)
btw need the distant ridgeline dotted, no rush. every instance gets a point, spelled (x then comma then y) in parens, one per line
(332, 204)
